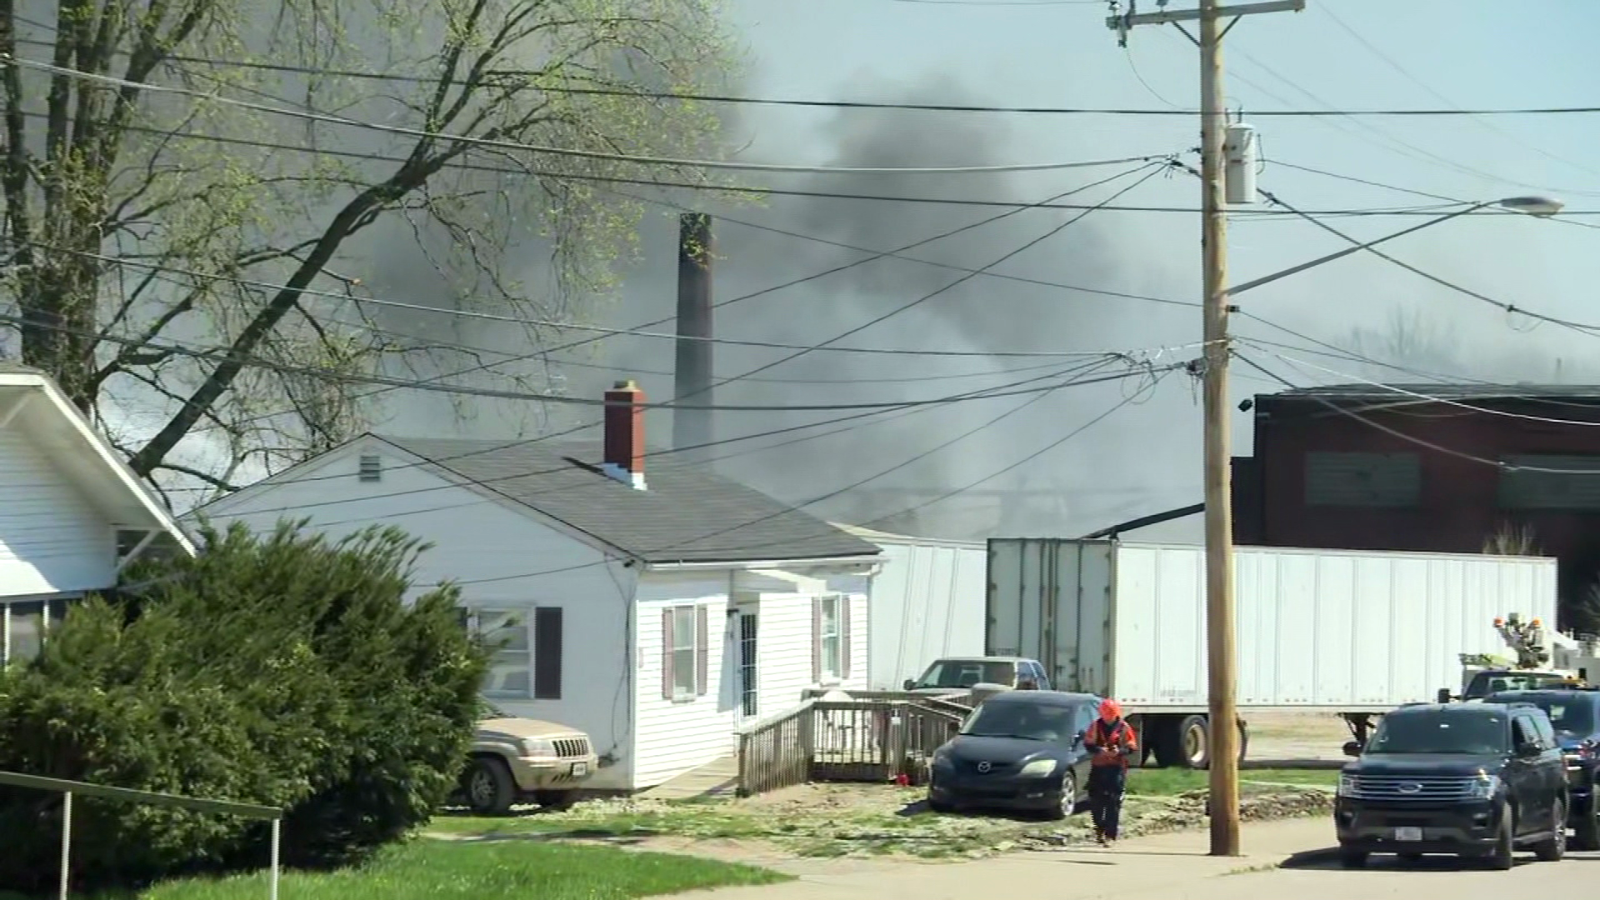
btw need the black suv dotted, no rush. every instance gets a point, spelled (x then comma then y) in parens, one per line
(1469, 779)
(1575, 714)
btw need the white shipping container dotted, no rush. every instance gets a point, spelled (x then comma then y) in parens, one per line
(1344, 631)
(925, 603)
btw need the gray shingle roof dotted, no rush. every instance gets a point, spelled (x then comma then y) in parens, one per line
(686, 514)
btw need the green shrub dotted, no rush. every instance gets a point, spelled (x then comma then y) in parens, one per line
(285, 670)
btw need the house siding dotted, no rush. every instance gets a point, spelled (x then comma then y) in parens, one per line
(52, 538)
(676, 736)
(673, 736)
(476, 539)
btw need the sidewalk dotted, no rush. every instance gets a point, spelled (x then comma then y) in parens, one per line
(1165, 865)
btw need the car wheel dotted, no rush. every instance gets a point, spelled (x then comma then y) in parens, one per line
(1586, 836)
(939, 806)
(1352, 859)
(489, 788)
(1069, 797)
(1553, 848)
(1502, 857)
(556, 799)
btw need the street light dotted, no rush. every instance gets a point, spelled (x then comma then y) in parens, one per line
(1539, 207)
(1221, 619)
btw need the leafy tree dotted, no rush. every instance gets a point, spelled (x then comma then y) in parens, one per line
(287, 671)
(145, 208)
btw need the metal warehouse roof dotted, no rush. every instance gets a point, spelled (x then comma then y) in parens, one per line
(1408, 392)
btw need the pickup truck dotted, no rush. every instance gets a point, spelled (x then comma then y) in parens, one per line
(960, 673)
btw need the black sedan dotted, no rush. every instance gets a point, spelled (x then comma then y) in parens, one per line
(1021, 750)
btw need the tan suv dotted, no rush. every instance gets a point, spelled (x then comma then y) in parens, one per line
(524, 760)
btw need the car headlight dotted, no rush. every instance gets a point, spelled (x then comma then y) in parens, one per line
(1038, 768)
(537, 747)
(1484, 787)
(941, 756)
(1347, 785)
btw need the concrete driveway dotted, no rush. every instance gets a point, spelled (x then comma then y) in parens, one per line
(1282, 860)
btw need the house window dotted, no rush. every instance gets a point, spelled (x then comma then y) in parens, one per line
(830, 652)
(1563, 483)
(525, 650)
(1385, 480)
(371, 468)
(505, 632)
(684, 656)
(24, 626)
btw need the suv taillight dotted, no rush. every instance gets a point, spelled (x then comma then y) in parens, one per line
(1588, 751)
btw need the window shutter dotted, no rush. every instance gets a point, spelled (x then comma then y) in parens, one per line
(547, 639)
(702, 651)
(666, 653)
(844, 636)
(816, 639)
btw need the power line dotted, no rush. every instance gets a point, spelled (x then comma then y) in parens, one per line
(1588, 330)
(1443, 401)
(1388, 60)
(876, 255)
(569, 152)
(938, 291)
(357, 74)
(547, 323)
(219, 353)
(1075, 432)
(1080, 382)
(1400, 435)
(857, 421)
(1379, 212)
(1021, 462)
(1408, 149)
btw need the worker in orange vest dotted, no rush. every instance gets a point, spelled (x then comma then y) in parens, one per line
(1112, 742)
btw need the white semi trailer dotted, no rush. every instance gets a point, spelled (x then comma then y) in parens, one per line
(1344, 632)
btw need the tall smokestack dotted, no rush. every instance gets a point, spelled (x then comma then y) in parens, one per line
(692, 376)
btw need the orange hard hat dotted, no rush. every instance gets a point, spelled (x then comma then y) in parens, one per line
(1110, 710)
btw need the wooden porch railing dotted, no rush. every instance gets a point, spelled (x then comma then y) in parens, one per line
(861, 739)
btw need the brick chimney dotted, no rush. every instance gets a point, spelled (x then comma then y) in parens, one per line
(624, 425)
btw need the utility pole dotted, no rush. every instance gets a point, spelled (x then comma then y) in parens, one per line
(1221, 661)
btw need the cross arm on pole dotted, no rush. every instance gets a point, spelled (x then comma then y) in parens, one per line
(1163, 17)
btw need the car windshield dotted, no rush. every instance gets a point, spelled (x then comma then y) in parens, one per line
(1479, 732)
(964, 673)
(1486, 683)
(1569, 715)
(1030, 721)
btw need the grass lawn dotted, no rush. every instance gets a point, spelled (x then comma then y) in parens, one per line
(1166, 782)
(482, 871)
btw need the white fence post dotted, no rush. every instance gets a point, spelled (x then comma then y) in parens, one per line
(66, 838)
(277, 833)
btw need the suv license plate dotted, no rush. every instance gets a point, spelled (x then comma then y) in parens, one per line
(581, 769)
(1408, 834)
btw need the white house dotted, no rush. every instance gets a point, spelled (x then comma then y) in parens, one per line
(72, 515)
(655, 606)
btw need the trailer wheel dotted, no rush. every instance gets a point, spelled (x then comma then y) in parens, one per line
(1162, 733)
(1194, 740)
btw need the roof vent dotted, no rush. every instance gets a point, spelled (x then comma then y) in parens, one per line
(371, 468)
